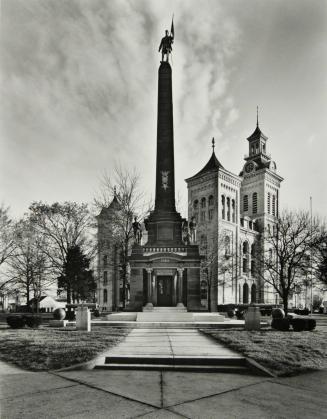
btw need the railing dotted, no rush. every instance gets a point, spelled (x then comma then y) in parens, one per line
(164, 250)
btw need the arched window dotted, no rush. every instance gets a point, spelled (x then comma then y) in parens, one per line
(270, 255)
(228, 209)
(245, 203)
(223, 207)
(105, 278)
(196, 205)
(253, 293)
(245, 257)
(105, 296)
(203, 203)
(252, 267)
(268, 203)
(210, 201)
(227, 246)
(245, 293)
(254, 202)
(252, 249)
(233, 210)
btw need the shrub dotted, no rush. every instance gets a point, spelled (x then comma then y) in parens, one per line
(70, 315)
(16, 322)
(277, 313)
(96, 313)
(311, 324)
(59, 314)
(240, 315)
(298, 324)
(280, 324)
(33, 321)
(230, 313)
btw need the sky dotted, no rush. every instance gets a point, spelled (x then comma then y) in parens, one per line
(79, 93)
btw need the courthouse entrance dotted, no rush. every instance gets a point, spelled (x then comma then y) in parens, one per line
(165, 290)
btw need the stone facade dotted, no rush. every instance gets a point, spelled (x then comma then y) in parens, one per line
(232, 214)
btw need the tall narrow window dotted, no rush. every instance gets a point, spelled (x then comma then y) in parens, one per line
(228, 209)
(245, 257)
(105, 260)
(210, 214)
(274, 205)
(223, 207)
(105, 296)
(268, 203)
(196, 205)
(227, 246)
(245, 203)
(203, 203)
(210, 201)
(254, 202)
(105, 278)
(233, 210)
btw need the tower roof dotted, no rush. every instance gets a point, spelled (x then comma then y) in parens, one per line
(257, 133)
(212, 165)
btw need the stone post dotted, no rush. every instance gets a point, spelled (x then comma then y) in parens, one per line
(149, 294)
(252, 318)
(180, 287)
(83, 319)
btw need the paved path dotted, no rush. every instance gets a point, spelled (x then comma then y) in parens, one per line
(154, 394)
(170, 343)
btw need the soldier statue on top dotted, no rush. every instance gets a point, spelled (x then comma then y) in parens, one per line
(166, 43)
(137, 230)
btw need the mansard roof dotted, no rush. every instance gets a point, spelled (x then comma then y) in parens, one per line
(212, 165)
(257, 133)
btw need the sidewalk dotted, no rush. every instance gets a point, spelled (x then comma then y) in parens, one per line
(158, 394)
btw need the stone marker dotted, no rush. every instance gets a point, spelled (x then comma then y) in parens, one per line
(83, 319)
(252, 318)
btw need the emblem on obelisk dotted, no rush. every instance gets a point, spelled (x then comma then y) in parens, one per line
(164, 178)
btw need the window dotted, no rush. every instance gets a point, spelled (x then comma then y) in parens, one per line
(196, 217)
(253, 293)
(274, 205)
(257, 148)
(253, 250)
(245, 203)
(196, 205)
(245, 257)
(105, 296)
(105, 260)
(223, 207)
(105, 278)
(210, 213)
(252, 267)
(254, 202)
(264, 148)
(233, 210)
(203, 203)
(252, 149)
(203, 216)
(268, 203)
(227, 246)
(270, 253)
(245, 293)
(203, 241)
(210, 201)
(228, 209)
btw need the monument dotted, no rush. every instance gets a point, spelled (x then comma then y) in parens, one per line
(166, 270)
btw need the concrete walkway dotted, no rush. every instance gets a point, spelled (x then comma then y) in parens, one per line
(170, 342)
(157, 394)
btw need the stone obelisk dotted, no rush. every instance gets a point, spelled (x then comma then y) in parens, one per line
(164, 224)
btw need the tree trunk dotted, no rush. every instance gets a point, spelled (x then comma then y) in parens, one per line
(285, 302)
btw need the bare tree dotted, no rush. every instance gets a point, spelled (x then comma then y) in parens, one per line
(62, 226)
(7, 243)
(29, 269)
(218, 261)
(125, 186)
(285, 256)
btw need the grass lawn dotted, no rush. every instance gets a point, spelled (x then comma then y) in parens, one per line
(283, 353)
(50, 348)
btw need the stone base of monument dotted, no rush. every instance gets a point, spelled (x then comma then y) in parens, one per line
(58, 323)
(83, 319)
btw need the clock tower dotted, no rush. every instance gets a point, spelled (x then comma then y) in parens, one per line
(261, 183)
